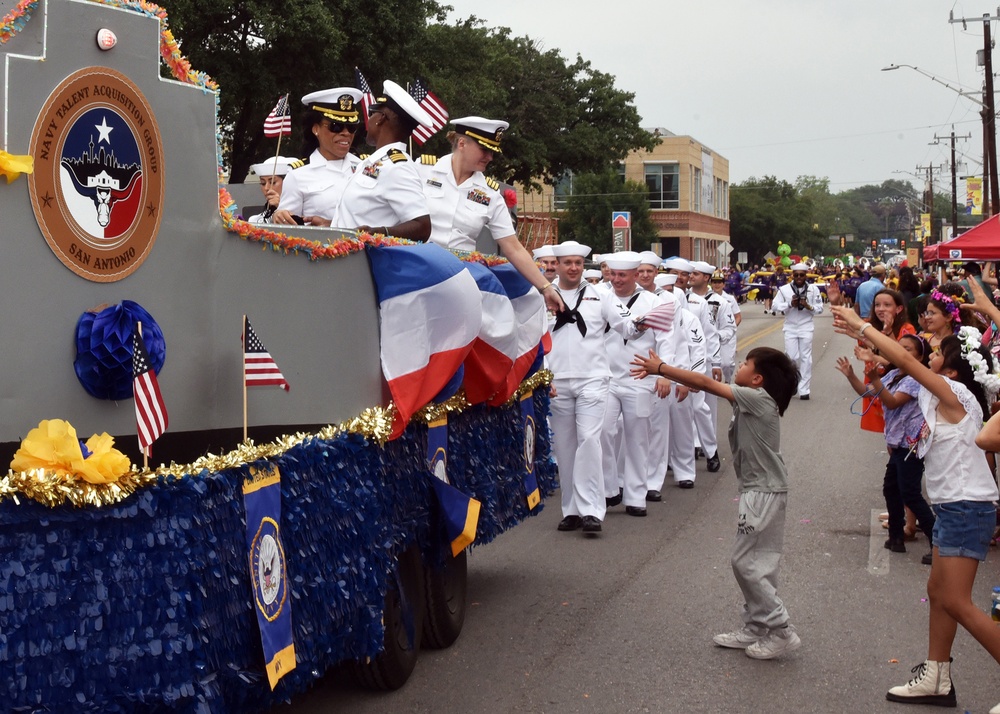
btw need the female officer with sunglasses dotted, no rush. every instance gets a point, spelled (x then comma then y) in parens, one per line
(313, 191)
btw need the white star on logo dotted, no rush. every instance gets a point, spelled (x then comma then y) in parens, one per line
(104, 130)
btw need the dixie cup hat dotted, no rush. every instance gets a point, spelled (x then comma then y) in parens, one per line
(544, 251)
(700, 266)
(275, 166)
(664, 280)
(648, 257)
(679, 264)
(623, 260)
(571, 247)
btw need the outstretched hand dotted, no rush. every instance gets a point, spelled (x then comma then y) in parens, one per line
(844, 367)
(645, 366)
(846, 321)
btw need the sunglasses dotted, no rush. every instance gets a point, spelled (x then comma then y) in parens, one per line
(798, 275)
(374, 110)
(335, 127)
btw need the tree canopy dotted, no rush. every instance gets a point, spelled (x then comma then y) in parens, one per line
(588, 215)
(564, 115)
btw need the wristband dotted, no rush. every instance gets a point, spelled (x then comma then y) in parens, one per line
(864, 327)
(545, 287)
(658, 368)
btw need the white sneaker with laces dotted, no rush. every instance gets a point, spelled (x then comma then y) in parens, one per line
(775, 643)
(738, 640)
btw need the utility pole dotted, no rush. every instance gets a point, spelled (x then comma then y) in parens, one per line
(988, 113)
(954, 179)
(929, 198)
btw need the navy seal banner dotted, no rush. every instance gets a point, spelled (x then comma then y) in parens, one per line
(268, 574)
(528, 419)
(460, 512)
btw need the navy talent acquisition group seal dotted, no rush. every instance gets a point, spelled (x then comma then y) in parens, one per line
(97, 188)
(267, 568)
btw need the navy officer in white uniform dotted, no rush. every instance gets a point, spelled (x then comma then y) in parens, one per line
(462, 201)
(313, 191)
(385, 194)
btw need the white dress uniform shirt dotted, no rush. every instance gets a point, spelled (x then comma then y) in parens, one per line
(315, 189)
(699, 306)
(459, 213)
(382, 192)
(690, 354)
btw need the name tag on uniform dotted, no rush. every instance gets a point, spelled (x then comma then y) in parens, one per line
(432, 182)
(479, 196)
(594, 299)
(372, 170)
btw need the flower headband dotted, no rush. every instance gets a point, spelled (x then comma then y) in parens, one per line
(950, 304)
(971, 339)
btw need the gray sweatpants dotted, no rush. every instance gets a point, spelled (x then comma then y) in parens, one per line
(760, 536)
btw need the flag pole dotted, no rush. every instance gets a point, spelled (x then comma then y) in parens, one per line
(245, 374)
(145, 452)
(277, 152)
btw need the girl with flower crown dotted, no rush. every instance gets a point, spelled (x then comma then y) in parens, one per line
(954, 395)
(941, 317)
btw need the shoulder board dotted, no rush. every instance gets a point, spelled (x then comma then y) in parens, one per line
(395, 156)
(363, 156)
(298, 164)
(428, 159)
(493, 183)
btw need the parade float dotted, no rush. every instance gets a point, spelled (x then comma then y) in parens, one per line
(270, 534)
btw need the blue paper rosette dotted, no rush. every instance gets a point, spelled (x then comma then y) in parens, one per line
(103, 361)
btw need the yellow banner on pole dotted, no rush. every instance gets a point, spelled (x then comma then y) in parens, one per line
(974, 196)
(925, 226)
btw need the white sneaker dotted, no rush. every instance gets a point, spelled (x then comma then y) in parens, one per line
(931, 684)
(738, 640)
(995, 710)
(775, 643)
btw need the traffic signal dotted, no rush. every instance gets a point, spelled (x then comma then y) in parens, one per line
(902, 243)
(874, 244)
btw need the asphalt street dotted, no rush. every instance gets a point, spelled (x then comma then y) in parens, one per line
(623, 623)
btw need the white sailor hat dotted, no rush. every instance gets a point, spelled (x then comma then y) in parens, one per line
(679, 264)
(275, 166)
(544, 251)
(664, 279)
(648, 257)
(487, 132)
(623, 260)
(591, 273)
(397, 99)
(801, 266)
(700, 266)
(339, 104)
(571, 247)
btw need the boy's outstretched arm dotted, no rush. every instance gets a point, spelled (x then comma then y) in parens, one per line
(644, 366)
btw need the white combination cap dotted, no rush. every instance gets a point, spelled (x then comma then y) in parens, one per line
(487, 132)
(339, 104)
(399, 100)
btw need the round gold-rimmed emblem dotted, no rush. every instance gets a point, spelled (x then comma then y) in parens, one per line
(97, 188)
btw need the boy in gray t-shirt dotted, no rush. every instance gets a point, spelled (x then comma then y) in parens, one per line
(762, 388)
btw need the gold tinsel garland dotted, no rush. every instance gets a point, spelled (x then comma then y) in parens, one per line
(374, 423)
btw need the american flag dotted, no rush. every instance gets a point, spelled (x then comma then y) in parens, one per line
(259, 368)
(660, 317)
(433, 106)
(367, 98)
(279, 121)
(150, 411)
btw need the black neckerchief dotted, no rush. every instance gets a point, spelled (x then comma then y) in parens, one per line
(568, 316)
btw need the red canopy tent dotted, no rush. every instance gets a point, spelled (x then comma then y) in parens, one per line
(979, 243)
(931, 253)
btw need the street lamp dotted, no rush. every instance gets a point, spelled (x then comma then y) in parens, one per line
(988, 113)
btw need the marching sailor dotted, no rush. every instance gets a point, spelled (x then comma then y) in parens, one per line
(462, 201)
(800, 302)
(312, 192)
(385, 195)
(579, 362)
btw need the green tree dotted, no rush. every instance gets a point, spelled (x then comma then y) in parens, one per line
(765, 211)
(588, 215)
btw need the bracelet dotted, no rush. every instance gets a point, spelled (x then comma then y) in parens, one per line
(545, 287)
(863, 327)
(658, 368)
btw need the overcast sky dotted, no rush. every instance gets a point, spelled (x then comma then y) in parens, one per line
(782, 87)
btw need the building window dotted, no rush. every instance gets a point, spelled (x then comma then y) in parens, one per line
(724, 199)
(663, 184)
(696, 190)
(562, 191)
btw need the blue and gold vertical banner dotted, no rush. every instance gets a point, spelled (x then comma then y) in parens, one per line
(460, 512)
(528, 420)
(268, 571)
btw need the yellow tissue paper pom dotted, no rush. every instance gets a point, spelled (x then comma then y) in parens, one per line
(53, 446)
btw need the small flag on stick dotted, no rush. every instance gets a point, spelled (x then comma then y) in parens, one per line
(433, 106)
(259, 368)
(150, 411)
(660, 317)
(279, 121)
(367, 98)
